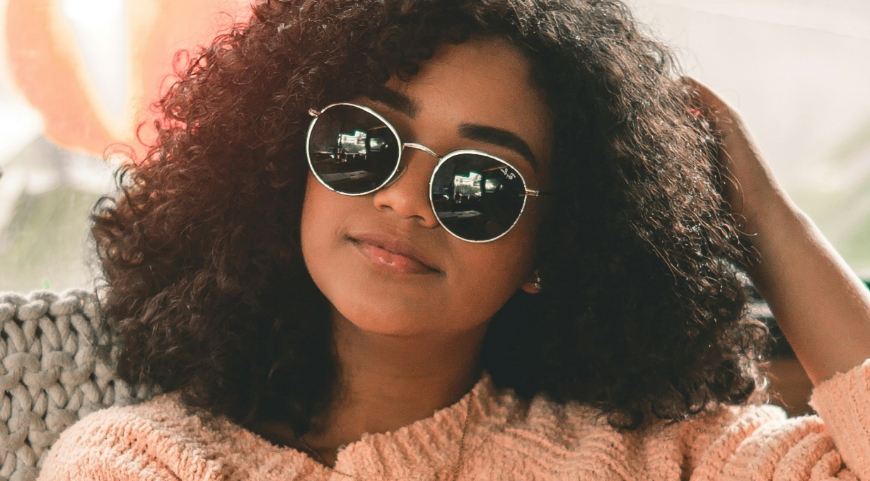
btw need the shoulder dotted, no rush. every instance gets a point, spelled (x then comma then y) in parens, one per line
(570, 439)
(543, 439)
(759, 439)
(159, 439)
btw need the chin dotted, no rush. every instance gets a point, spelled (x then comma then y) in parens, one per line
(383, 323)
(393, 323)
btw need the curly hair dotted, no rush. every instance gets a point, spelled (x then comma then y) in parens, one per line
(643, 311)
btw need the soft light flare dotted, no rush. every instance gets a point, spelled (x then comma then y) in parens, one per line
(92, 13)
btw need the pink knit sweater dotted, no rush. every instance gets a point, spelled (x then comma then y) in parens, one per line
(506, 440)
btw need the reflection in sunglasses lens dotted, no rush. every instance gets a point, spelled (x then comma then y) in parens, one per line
(477, 197)
(351, 150)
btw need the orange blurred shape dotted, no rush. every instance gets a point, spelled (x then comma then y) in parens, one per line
(47, 66)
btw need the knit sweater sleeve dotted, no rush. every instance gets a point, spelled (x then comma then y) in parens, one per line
(844, 403)
(761, 443)
(125, 444)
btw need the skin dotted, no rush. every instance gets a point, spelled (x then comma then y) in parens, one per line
(408, 342)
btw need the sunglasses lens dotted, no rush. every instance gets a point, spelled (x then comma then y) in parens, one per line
(477, 198)
(351, 150)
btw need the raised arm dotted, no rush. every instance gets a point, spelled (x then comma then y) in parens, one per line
(819, 303)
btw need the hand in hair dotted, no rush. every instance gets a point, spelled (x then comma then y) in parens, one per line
(819, 303)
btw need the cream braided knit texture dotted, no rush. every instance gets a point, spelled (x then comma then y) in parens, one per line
(51, 374)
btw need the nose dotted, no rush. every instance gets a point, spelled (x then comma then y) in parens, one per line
(408, 195)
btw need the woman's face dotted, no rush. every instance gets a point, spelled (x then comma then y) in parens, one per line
(382, 259)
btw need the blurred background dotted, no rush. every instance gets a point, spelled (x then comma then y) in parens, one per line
(798, 71)
(78, 75)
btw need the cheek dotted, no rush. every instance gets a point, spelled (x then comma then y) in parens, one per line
(319, 227)
(334, 266)
(312, 220)
(489, 282)
(491, 273)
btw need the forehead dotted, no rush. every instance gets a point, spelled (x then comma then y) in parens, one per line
(484, 81)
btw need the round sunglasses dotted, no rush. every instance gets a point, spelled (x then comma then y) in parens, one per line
(476, 197)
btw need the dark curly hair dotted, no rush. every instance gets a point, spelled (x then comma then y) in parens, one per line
(643, 311)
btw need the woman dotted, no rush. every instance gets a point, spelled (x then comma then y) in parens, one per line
(512, 253)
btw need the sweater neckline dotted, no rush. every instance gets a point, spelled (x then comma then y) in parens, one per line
(429, 447)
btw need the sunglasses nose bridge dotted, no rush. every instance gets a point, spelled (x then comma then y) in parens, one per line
(402, 166)
(420, 147)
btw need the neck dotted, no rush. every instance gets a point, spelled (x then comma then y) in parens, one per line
(390, 381)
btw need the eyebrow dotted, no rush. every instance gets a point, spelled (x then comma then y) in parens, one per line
(499, 137)
(483, 133)
(395, 100)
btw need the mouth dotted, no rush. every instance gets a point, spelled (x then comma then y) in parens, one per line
(393, 254)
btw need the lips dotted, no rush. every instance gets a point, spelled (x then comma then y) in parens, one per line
(393, 254)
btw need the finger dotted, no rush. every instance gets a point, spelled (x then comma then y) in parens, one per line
(713, 107)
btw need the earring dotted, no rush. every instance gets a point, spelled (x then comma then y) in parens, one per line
(533, 285)
(536, 282)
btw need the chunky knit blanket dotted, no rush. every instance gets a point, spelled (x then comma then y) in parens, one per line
(57, 367)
